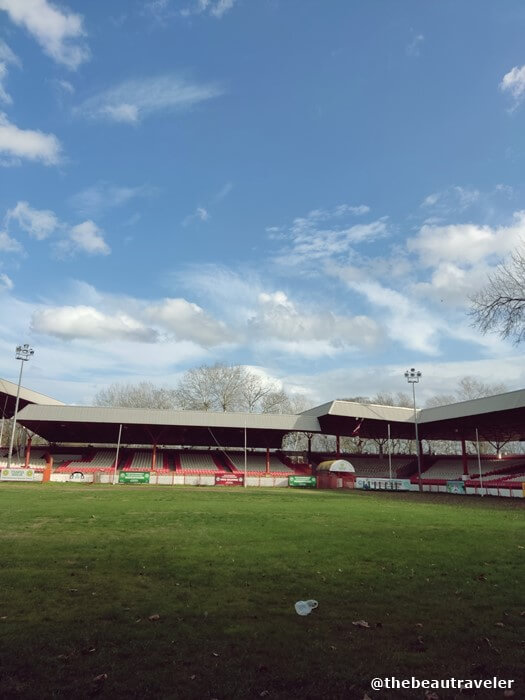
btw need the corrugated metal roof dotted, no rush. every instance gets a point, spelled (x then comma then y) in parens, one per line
(9, 389)
(357, 410)
(353, 409)
(139, 416)
(475, 407)
(494, 416)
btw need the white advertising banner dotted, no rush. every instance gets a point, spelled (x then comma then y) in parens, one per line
(17, 474)
(376, 484)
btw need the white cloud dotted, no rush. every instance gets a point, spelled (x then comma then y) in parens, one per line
(7, 57)
(38, 223)
(438, 378)
(309, 240)
(70, 322)
(221, 7)
(431, 200)
(513, 82)
(189, 321)
(5, 282)
(466, 243)
(102, 196)
(215, 9)
(200, 214)
(223, 192)
(8, 244)
(32, 145)
(414, 47)
(87, 237)
(452, 284)
(452, 200)
(59, 31)
(66, 86)
(133, 100)
(407, 321)
(278, 319)
(125, 113)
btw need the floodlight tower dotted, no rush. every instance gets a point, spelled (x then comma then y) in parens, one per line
(413, 376)
(23, 353)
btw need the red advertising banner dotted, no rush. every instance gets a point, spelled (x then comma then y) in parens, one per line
(229, 479)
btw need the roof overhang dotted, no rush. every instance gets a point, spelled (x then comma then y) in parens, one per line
(95, 425)
(498, 418)
(8, 392)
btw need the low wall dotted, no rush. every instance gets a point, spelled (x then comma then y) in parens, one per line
(264, 481)
(174, 480)
(474, 491)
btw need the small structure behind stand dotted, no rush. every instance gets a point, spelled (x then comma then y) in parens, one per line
(335, 474)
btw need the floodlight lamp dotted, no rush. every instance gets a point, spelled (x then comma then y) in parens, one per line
(24, 352)
(412, 375)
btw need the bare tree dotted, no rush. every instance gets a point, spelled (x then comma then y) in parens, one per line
(223, 387)
(441, 400)
(141, 395)
(500, 305)
(216, 387)
(257, 393)
(472, 388)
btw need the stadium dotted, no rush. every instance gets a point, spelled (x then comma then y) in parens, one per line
(227, 227)
(205, 448)
(129, 570)
(139, 572)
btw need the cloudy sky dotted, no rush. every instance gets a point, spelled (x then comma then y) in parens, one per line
(309, 187)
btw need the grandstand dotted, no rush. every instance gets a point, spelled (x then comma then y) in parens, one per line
(192, 443)
(256, 463)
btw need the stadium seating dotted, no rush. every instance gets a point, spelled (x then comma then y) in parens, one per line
(193, 462)
(197, 462)
(375, 466)
(140, 461)
(100, 460)
(492, 465)
(451, 468)
(256, 463)
(447, 469)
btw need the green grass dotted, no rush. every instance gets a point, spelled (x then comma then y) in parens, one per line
(83, 567)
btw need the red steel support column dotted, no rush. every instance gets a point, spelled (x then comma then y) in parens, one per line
(49, 467)
(464, 457)
(267, 460)
(337, 446)
(154, 458)
(28, 451)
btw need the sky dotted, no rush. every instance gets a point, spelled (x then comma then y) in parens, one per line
(310, 188)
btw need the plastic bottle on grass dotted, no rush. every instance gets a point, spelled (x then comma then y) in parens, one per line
(305, 607)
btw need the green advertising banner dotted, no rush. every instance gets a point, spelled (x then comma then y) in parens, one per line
(305, 482)
(456, 487)
(133, 478)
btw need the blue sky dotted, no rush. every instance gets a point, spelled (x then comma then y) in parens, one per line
(312, 188)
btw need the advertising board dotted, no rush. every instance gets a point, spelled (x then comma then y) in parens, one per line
(229, 479)
(133, 477)
(456, 487)
(17, 474)
(305, 482)
(377, 484)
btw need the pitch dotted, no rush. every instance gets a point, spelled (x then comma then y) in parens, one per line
(155, 592)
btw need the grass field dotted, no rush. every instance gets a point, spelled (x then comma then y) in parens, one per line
(440, 580)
